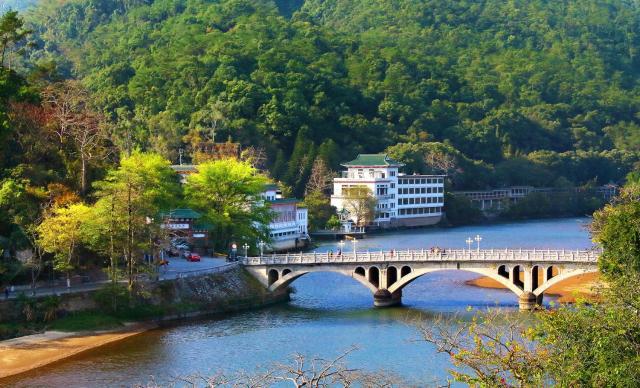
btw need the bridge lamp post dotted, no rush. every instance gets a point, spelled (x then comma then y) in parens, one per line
(469, 242)
(246, 249)
(354, 242)
(478, 239)
(341, 244)
(261, 245)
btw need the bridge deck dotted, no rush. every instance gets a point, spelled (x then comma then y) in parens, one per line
(442, 255)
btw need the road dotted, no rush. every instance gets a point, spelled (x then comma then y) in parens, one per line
(177, 268)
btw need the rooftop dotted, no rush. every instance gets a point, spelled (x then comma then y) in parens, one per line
(371, 160)
(182, 213)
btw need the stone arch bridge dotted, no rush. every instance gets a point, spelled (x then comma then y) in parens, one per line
(527, 273)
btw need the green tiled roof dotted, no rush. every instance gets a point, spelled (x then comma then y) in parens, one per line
(182, 213)
(372, 160)
(203, 226)
(271, 186)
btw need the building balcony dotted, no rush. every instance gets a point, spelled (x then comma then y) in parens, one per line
(364, 176)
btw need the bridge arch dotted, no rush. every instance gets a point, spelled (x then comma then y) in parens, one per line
(360, 271)
(405, 270)
(406, 280)
(374, 276)
(272, 276)
(516, 278)
(392, 275)
(290, 277)
(503, 271)
(560, 277)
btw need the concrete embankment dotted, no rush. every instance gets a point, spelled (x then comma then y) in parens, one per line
(214, 294)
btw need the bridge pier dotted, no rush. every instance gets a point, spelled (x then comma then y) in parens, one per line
(383, 298)
(529, 301)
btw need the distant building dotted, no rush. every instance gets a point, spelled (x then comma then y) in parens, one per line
(401, 200)
(184, 223)
(496, 200)
(289, 227)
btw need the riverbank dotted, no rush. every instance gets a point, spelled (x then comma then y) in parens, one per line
(174, 302)
(568, 291)
(23, 354)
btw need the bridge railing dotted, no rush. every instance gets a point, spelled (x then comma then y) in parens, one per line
(456, 255)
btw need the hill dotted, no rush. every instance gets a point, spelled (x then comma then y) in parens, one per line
(528, 92)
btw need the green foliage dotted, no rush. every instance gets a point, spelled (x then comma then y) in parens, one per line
(319, 208)
(127, 214)
(86, 320)
(489, 80)
(460, 210)
(228, 193)
(333, 223)
(62, 231)
(617, 229)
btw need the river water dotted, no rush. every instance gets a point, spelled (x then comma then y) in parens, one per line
(328, 314)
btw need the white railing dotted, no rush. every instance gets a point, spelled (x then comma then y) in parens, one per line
(447, 255)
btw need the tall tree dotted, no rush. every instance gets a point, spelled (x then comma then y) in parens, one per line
(130, 200)
(228, 192)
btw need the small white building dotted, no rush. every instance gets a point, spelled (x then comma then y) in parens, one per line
(402, 200)
(289, 227)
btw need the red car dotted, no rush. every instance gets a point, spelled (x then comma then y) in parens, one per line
(193, 257)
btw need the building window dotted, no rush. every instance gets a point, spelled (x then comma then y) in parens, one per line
(393, 185)
(392, 173)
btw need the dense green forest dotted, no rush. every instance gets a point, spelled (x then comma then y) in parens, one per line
(525, 92)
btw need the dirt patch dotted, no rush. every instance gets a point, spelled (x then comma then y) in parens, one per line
(568, 291)
(26, 353)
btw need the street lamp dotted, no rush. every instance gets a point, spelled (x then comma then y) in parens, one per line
(246, 249)
(354, 242)
(469, 242)
(478, 239)
(261, 245)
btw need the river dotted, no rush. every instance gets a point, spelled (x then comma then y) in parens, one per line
(328, 314)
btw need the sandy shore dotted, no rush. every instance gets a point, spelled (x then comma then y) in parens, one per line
(568, 291)
(22, 354)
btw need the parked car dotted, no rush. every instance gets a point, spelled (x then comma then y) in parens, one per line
(193, 257)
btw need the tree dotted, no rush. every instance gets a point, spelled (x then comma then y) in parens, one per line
(11, 33)
(320, 179)
(616, 228)
(228, 192)
(74, 120)
(62, 231)
(129, 203)
(319, 208)
(360, 203)
(489, 351)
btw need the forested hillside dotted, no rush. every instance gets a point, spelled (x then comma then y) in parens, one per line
(522, 92)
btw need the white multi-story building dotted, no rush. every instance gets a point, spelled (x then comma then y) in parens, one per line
(289, 227)
(402, 200)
